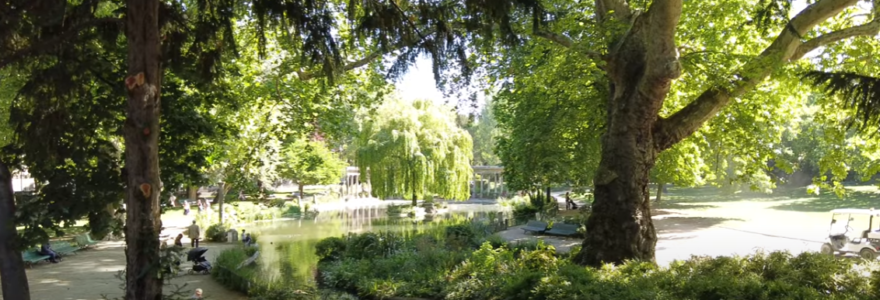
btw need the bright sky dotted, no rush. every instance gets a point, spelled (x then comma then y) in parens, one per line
(418, 83)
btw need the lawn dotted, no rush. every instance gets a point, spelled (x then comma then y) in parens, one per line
(785, 212)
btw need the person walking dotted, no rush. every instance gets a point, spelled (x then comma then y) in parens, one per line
(194, 234)
(185, 207)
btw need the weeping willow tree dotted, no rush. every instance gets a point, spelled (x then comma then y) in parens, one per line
(415, 148)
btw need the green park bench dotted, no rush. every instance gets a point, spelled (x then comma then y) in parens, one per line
(64, 248)
(31, 257)
(84, 241)
(562, 229)
(535, 227)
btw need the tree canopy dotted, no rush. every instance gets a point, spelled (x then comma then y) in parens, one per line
(310, 162)
(415, 149)
(484, 132)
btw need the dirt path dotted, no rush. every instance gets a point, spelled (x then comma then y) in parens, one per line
(90, 274)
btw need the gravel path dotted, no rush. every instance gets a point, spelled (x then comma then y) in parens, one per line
(90, 274)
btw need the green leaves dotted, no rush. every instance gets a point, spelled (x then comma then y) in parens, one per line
(415, 149)
(310, 162)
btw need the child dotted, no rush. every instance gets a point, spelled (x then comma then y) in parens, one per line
(198, 294)
(177, 241)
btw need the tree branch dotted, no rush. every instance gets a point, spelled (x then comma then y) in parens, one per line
(566, 42)
(671, 130)
(348, 67)
(46, 44)
(562, 40)
(620, 9)
(867, 29)
(663, 65)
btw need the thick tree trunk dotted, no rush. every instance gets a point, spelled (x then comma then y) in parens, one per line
(661, 186)
(640, 69)
(620, 226)
(14, 279)
(141, 151)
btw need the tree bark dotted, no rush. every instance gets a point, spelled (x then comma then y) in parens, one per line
(641, 67)
(660, 189)
(550, 198)
(14, 279)
(220, 198)
(302, 194)
(141, 129)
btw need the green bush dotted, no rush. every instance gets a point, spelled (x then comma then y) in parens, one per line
(216, 233)
(277, 202)
(428, 267)
(292, 211)
(227, 273)
(330, 249)
(524, 212)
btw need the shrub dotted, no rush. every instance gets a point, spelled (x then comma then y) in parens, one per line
(292, 211)
(431, 269)
(277, 202)
(330, 249)
(524, 212)
(227, 273)
(465, 235)
(216, 233)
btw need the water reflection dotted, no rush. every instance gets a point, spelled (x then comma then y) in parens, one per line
(288, 246)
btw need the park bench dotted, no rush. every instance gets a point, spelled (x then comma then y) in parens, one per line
(64, 248)
(84, 241)
(31, 257)
(562, 229)
(535, 226)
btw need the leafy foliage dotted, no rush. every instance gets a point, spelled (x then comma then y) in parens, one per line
(859, 92)
(484, 133)
(514, 271)
(216, 233)
(310, 163)
(415, 149)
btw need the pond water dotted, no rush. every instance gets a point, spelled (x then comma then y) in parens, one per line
(287, 247)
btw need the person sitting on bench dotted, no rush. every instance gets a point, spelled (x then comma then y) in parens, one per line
(569, 204)
(46, 249)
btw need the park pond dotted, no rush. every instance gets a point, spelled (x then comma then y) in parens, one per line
(287, 246)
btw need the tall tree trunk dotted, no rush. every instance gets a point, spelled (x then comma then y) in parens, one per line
(219, 198)
(660, 187)
(640, 69)
(141, 130)
(14, 279)
(549, 197)
(302, 194)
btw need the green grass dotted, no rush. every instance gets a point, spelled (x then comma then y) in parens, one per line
(785, 212)
(785, 199)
